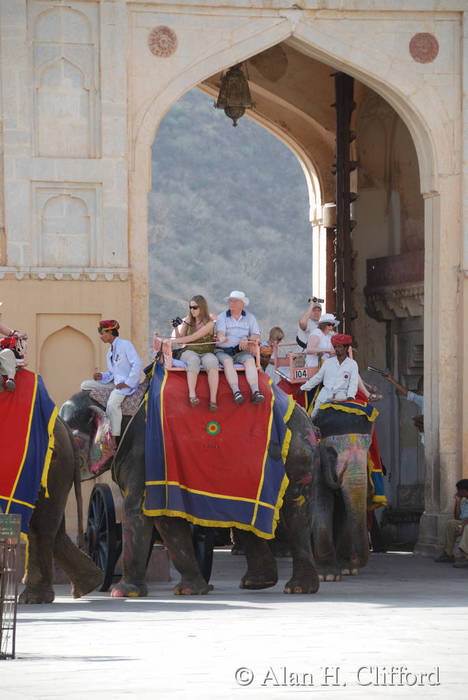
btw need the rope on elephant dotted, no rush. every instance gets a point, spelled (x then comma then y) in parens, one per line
(27, 420)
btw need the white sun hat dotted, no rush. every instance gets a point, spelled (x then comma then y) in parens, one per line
(236, 294)
(328, 318)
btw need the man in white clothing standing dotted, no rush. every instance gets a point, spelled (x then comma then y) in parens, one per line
(123, 374)
(339, 375)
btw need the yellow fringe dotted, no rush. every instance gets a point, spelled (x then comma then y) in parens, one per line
(50, 450)
(348, 409)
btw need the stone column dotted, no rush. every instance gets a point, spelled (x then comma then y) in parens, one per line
(442, 341)
(464, 252)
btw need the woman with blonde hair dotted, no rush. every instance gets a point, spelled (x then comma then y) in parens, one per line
(199, 326)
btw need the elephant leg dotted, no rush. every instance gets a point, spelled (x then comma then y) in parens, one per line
(137, 530)
(322, 534)
(39, 572)
(136, 542)
(296, 517)
(177, 536)
(84, 575)
(261, 571)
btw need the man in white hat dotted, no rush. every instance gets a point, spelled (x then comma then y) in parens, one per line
(234, 328)
(8, 358)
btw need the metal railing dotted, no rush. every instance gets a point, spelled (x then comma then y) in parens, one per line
(10, 526)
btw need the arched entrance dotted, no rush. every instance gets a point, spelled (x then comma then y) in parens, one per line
(311, 44)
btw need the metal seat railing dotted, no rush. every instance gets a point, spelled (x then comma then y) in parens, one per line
(162, 344)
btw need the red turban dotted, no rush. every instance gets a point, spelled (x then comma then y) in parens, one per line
(341, 339)
(108, 326)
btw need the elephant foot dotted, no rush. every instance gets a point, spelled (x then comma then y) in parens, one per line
(295, 585)
(122, 589)
(349, 572)
(330, 576)
(87, 584)
(36, 596)
(256, 581)
(194, 587)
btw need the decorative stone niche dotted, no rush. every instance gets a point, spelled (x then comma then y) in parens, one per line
(66, 79)
(65, 225)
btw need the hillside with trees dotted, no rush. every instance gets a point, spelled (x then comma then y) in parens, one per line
(228, 209)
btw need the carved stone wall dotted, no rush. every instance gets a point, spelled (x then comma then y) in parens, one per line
(65, 44)
(66, 225)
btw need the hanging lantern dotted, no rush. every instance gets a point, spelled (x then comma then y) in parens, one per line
(234, 94)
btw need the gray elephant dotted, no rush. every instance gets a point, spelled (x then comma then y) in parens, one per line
(339, 523)
(47, 537)
(305, 460)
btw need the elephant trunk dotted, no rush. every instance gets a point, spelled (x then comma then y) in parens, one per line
(328, 462)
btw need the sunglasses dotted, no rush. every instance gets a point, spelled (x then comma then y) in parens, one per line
(193, 307)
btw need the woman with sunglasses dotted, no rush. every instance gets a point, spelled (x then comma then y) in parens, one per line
(319, 345)
(199, 326)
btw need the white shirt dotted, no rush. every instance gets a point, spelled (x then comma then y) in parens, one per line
(123, 365)
(324, 346)
(304, 335)
(340, 381)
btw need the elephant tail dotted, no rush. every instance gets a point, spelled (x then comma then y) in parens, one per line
(77, 487)
(328, 462)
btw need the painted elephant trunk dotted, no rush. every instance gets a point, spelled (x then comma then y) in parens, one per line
(328, 465)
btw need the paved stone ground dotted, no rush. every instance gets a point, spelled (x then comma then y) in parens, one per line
(401, 611)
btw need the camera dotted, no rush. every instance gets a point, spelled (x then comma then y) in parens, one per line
(176, 321)
(316, 300)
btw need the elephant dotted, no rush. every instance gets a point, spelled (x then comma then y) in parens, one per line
(339, 522)
(47, 537)
(305, 460)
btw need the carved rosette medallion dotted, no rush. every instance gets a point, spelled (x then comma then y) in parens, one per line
(162, 41)
(424, 47)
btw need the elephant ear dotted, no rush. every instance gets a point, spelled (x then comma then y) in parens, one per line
(328, 462)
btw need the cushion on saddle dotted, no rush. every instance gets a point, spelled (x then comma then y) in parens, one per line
(27, 420)
(129, 404)
(223, 468)
(361, 408)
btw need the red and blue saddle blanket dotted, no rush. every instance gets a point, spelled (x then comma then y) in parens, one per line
(27, 420)
(219, 469)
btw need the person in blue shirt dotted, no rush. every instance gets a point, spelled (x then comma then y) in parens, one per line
(457, 527)
(234, 329)
(123, 374)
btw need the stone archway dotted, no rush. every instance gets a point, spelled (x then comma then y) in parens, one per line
(400, 89)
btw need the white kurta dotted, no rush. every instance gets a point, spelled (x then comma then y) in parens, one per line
(340, 381)
(123, 365)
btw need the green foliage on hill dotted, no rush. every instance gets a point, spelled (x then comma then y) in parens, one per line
(228, 210)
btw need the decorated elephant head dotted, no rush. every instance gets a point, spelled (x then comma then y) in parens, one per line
(91, 429)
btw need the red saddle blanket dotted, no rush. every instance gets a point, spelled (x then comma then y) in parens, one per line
(222, 468)
(27, 419)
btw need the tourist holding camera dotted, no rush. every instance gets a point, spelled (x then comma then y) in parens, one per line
(198, 326)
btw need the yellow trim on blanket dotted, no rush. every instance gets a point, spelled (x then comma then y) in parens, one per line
(290, 409)
(211, 523)
(348, 409)
(265, 455)
(50, 450)
(163, 482)
(26, 444)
